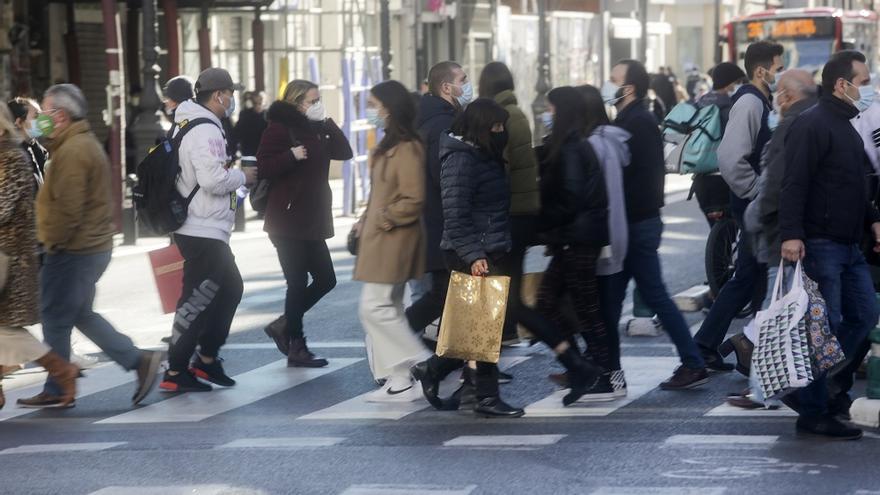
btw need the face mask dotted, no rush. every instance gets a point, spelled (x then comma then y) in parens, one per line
(230, 109)
(499, 142)
(772, 86)
(34, 130)
(467, 94)
(547, 121)
(45, 124)
(736, 89)
(773, 120)
(316, 112)
(374, 119)
(866, 97)
(609, 93)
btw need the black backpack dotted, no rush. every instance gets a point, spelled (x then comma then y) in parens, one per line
(159, 205)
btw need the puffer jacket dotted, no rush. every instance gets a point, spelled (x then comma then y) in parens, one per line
(574, 202)
(476, 201)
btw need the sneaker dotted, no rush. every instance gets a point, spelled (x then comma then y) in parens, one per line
(601, 391)
(685, 378)
(618, 381)
(395, 391)
(827, 427)
(183, 382)
(147, 371)
(212, 372)
(44, 401)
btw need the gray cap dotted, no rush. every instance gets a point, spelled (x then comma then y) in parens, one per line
(179, 89)
(214, 79)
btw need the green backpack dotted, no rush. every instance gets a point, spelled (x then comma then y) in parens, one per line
(691, 137)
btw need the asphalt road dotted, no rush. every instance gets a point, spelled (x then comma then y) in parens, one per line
(282, 431)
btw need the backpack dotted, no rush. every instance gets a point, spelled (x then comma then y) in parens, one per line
(691, 136)
(159, 205)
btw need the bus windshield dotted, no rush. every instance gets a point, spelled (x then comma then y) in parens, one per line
(808, 41)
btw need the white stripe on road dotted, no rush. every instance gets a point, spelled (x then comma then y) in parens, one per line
(178, 490)
(733, 411)
(61, 447)
(721, 439)
(282, 443)
(359, 408)
(503, 440)
(252, 386)
(339, 344)
(643, 374)
(658, 490)
(408, 490)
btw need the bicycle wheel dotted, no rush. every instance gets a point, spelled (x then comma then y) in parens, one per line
(721, 254)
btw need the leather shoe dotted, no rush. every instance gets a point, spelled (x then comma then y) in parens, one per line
(431, 388)
(743, 348)
(494, 407)
(714, 361)
(828, 427)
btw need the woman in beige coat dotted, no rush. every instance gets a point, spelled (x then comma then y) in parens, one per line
(19, 295)
(391, 247)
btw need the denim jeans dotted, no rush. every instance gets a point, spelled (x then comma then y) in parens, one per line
(642, 264)
(845, 283)
(67, 293)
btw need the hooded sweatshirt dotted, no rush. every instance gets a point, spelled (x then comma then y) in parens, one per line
(203, 162)
(609, 143)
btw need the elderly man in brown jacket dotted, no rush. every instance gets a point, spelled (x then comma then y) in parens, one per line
(75, 226)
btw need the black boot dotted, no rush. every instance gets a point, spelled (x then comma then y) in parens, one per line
(489, 403)
(582, 374)
(429, 374)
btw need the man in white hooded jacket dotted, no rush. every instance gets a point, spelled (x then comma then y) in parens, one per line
(212, 285)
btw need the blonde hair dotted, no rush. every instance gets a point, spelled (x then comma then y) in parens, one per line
(296, 90)
(7, 125)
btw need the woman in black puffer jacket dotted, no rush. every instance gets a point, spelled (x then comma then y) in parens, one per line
(476, 240)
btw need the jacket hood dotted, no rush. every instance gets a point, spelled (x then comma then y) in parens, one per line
(287, 114)
(450, 144)
(190, 110)
(613, 139)
(431, 106)
(75, 128)
(505, 98)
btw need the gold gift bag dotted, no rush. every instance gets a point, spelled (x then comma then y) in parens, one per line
(473, 318)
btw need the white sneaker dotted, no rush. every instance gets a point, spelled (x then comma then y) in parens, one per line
(396, 391)
(618, 382)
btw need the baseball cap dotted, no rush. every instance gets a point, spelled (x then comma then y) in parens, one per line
(179, 89)
(214, 79)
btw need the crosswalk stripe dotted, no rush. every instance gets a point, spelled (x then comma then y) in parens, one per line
(503, 440)
(359, 408)
(720, 439)
(61, 447)
(252, 386)
(408, 490)
(179, 490)
(643, 374)
(282, 443)
(658, 490)
(733, 411)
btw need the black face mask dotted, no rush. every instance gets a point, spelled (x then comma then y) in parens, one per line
(499, 142)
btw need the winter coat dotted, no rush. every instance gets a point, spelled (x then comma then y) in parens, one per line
(868, 125)
(435, 117)
(249, 130)
(574, 201)
(391, 249)
(203, 162)
(300, 200)
(74, 206)
(825, 185)
(644, 178)
(609, 143)
(19, 301)
(476, 201)
(522, 163)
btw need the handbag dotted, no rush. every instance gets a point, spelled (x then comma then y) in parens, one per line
(781, 358)
(352, 241)
(259, 196)
(167, 264)
(825, 350)
(5, 261)
(473, 318)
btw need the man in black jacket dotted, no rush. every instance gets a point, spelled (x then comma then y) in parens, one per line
(643, 182)
(824, 211)
(449, 91)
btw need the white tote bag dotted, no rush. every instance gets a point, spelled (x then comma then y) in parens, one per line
(781, 358)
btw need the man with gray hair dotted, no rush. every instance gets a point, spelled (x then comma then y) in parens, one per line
(75, 226)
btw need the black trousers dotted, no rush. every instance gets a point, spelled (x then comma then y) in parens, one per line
(212, 289)
(429, 307)
(522, 233)
(301, 259)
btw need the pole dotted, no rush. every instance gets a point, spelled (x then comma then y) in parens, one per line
(116, 108)
(717, 34)
(259, 52)
(643, 41)
(71, 42)
(169, 7)
(539, 106)
(204, 38)
(385, 38)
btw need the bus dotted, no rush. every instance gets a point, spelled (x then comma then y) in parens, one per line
(809, 36)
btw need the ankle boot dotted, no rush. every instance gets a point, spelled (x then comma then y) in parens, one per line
(743, 348)
(299, 355)
(64, 374)
(582, 374)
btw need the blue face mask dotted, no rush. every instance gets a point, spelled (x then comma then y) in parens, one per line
(772, 86)
(866, 97)
(34, 130)
(374, 119)
(467, 94)
(773, 120)
(547, 121)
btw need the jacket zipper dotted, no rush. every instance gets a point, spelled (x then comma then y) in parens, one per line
(289, 203)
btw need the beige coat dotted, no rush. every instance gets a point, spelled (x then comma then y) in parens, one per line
(392, 243)
(19, 301)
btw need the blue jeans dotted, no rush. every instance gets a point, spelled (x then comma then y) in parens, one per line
(845, 283)
(642, 264)
(67, 293)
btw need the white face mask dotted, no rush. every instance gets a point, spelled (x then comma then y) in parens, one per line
(374, 119)
(316, 112)
(467, 94)
(735, 89)
(609, 93)
(230, 109)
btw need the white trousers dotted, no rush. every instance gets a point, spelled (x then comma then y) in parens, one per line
(392, 346)
(18, 346)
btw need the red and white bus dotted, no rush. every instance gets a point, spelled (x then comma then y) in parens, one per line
(809, 36)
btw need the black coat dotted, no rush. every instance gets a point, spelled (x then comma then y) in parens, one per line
(249, 130)
(435, 117)
(644, 178)
(574, 201)
(476, 202)
(825, 187)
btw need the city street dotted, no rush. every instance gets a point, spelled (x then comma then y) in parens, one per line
(299, 431)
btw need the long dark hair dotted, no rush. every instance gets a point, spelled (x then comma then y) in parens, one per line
(475, 123)
(596, 114)
(570, 118)
(495, 78)
(400, 124)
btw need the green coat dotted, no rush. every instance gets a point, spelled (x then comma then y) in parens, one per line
(522, 165)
